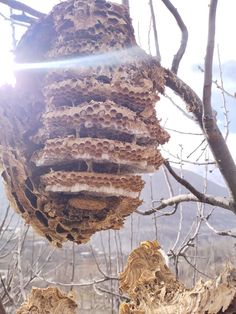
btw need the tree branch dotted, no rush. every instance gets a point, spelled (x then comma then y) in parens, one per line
(221, 233)
(23, 18)
(22, 7)
(214, 137)
(196, 196)
(154, 25)
(203, 198)
(184, 32)
(206, 199)
(193, 102)
(207, 109)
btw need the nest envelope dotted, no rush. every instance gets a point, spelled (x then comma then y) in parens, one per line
(80, 125)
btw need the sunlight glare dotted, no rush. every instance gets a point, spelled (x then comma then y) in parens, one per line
(7, 69)
(111, 58)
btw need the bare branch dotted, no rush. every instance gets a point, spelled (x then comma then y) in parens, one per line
(182, 132)
(203, 198)
(207, 109)
(193, 102)
(184, 31)
(219, 86)
(224, 90)
(73, 265)
(23, 18)
(22, 7)
(195, 268)
(19, 265)
(196, 149)
(4, 218)
(187, 115)
(208, 199)
(182, 161)
(221, 233)
(75, 284)
(154, 25)
(214, 137)
(168, 183)
(12, 21)
(6, 292)
(113, 293)
(225, 110)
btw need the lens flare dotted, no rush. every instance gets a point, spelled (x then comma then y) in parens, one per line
(112, 58)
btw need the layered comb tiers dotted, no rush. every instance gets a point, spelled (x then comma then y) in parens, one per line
(87, 128)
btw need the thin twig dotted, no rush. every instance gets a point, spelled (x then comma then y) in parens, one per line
(113, 293)
(4, 218)
(182, 132)
(184, 32)
(219, 86)
(154, 25)
(179, 108)
(73, 265)
(6, 292)
(23, 18)
(221, 233)
(195, 268)
(225, 109)
(169, 213)
(202, 198)
(85, 284)
(196, 148)
(168, 183)
(97, 264)
(19, 265)
(182, 161)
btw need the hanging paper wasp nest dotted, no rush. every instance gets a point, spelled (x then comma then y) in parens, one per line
(80, 126)
(153, 288)
(49, 300)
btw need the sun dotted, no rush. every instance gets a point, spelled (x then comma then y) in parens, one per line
(6, 68)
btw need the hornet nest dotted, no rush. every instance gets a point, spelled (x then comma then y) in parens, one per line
(80, 124)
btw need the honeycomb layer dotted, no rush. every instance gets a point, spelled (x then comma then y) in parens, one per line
(99, 184)
(90, 88)
(67, 150)
(102, 119)
(89, 27)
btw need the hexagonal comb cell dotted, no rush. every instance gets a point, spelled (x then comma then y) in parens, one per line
(76, 135)
(92, 183)
(96, 119)
(128, 157)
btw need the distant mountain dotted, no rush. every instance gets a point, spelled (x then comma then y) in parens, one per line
(166, 227)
